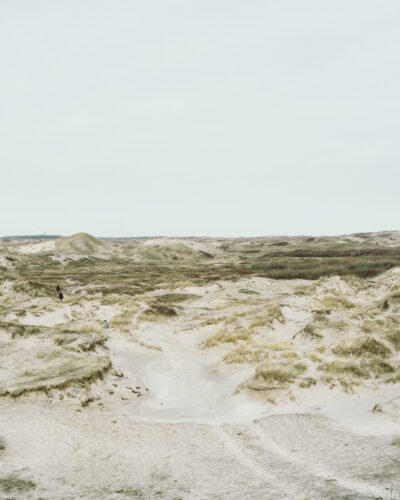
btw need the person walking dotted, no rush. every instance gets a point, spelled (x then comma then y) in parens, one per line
(106, 325)
(58, 288)
(60, 296)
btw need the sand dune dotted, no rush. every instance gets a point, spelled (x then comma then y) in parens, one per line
(213, 380)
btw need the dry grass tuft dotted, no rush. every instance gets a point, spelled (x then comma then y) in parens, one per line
(336, 302)
(33, 288)
(158, 312)
(307, 382)
(314, 357)
(279, 373)
(88, 327)
(273, 313)
(361, 347)
(174, 298)
(394, 338)
(345, 368)
(378, 366)
(20, 330)
(309, 332)
(246, 354)
(15, 485)
(122, 321)
(225, 335)
(289, 355)
(395, 442)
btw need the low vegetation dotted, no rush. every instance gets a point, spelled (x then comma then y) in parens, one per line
(246, 354)
(273, 372)
(344, 340)
(11, 485)
(225, 335)
(123, 320)
(158, 312)
(336, 302)
(361, 347)
(348, 368)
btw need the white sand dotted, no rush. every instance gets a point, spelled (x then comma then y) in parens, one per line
(191, 435)
(42, 246)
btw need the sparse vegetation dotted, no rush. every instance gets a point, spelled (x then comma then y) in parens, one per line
(345, 368)
(225, 335)
(268, 316)
(156, 312)
(336, 302)
(15, 485)
(244, 318)
(245, 354)
(360, 347)
(394, 338)
(18, 329)
(174, 298)
(395, 442)
(33, 288)
(122, 321)
(309, 332)
(307, 382)
(279, 373)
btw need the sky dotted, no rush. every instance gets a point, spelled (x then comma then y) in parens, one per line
(206, 117)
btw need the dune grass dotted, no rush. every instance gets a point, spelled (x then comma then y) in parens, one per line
(336, 302)
(12, 485)
(394, 338)
(278, 372)
(361, 347)
(268, 316)
(174, 298)
(158, 312)
(314, 357)
(290, 355)
(348, 368)
(246, 354)
(19, 330)
(226, 335)
(33, 288)
(122, 321)
(364, 369)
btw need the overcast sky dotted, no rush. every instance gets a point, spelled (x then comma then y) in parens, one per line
(199, 117)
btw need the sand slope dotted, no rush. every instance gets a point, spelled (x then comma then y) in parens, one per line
(195, 390)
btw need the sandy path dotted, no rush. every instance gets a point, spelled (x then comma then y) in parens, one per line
(184, 383)
(97, 454)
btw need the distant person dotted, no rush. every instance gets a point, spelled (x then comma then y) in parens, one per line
(106, 325)
(58, 288)
(60, 296)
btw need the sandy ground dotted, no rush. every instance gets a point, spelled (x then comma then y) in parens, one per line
(191, 437)
(183, 430)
